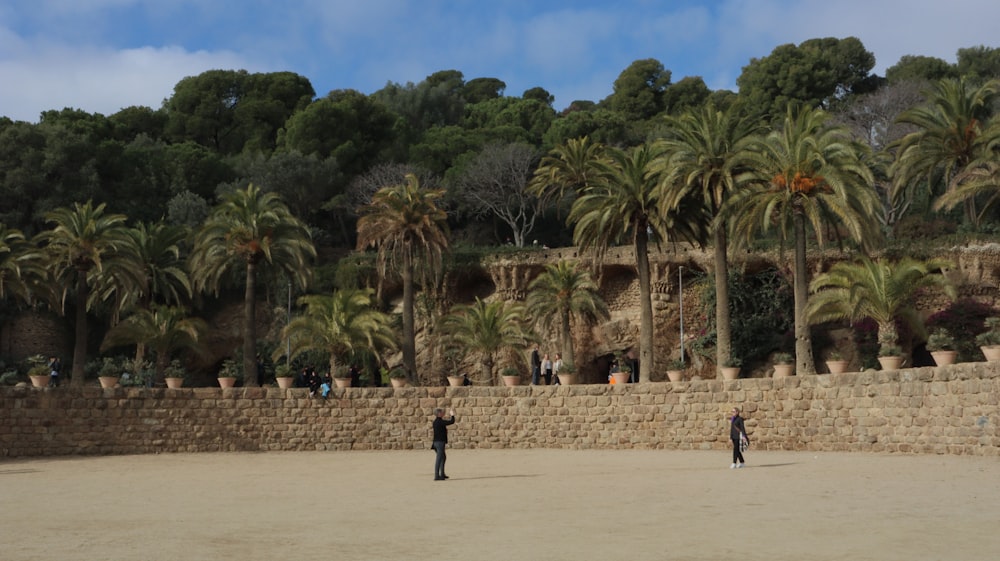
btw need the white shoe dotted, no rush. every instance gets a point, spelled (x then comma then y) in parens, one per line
(739, 466)
(731, 466)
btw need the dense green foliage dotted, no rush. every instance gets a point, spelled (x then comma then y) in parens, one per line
(108, 215)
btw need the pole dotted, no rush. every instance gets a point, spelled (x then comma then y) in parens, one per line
(288, 337)
(680, 301)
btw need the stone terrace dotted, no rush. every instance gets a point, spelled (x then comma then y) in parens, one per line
(949, 410)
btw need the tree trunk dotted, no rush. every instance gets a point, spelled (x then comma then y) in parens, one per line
(250, 327)
(162, 361)
(80, 344)
(408, 344)
(486, 372)
(803, 342)
(723, 335)
(566, 334)
(645, 305)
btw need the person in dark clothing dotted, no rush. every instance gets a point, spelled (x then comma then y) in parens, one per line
(302, 380)
(440, 427)
(314, 382)
(536, 366)
(737, 431)
(54, 367)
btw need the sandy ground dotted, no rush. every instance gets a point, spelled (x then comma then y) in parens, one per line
(501, 505)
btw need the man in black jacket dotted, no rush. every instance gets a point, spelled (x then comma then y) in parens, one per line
(440, 441)
(737, 432)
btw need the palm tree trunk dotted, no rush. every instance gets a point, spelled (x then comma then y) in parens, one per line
(162, 361)
(567, 338)
(250, 327)
(645, 305)
(486, 372)
(723, 335)
(409, 344)
(80, 344)
(803, 342)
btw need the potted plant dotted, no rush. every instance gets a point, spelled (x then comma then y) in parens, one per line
(38, 371)
(567, 374)
(397, 377)
(731, 368)
(511, 377)
(284, 376)
(784, 365)
(229, 373)
(109, 372)
(941, 345)
(675, 370)
(989, 340)
(174, 374)
(890, 356)
(835, 362)
(342, 377)
(622, 369)
(453, 357)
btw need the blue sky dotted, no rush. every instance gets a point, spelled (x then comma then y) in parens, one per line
(103, 55)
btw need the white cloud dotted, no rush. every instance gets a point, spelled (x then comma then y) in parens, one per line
(97, 80)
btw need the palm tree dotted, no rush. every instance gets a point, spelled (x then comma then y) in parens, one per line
(250, 229)
(706, 152)
(567, 168)
(565, 291)
(485, 329)
(877, 290)
(339, 325)
(807, 174)
(623, 203)
(162, 328)
(980, 177)
(409, 229)
(158, 250)
(949, 138)
(15, 253)
(83, 238)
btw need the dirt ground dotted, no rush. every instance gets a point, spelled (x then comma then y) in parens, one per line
(500, 505)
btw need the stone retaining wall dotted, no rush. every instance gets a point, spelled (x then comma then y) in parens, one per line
(950, 410)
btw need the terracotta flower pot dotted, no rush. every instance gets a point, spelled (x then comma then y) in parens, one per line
(512, 380)
(620, 377)
(346, 382)
(890, 362)
(944, 358)
(40, 381)
(991, 352)
(175, 383)
(783, 370)
(108, 381)
(675, 375)
(730, 372)
(227, 381)
(836, 366)
(567, 379)
(398, 382)
(285, 382)
(455, 381)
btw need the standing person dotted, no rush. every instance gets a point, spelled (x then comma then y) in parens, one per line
(440, 426)
(556, 366)
(536, 366)
(547, 369)
(737, 432)
(54, 367)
